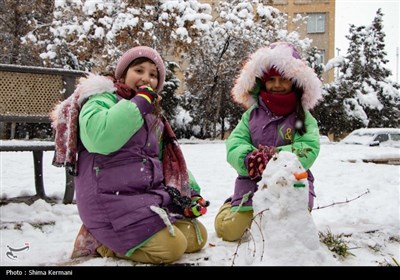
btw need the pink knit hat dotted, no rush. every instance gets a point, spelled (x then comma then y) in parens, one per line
(142, 51)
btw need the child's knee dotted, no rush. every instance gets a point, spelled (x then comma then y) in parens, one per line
(230, 226)
(162, 248)
(195, 233)
(175, 247)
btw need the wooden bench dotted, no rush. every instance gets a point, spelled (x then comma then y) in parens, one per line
(28, 95)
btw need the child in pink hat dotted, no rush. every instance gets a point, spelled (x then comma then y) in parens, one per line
(135, 196)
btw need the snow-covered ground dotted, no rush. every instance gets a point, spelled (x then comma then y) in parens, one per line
(370, 224)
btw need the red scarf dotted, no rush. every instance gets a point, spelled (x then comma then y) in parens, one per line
(174, 164)
(280, 104)
(124, 90)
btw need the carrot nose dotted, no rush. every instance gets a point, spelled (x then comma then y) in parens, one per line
(301, 175)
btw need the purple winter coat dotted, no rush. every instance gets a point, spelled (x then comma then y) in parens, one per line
(114, 192)
(268, 130)
(260, 126)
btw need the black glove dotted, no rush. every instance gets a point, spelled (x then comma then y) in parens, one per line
(192, 207)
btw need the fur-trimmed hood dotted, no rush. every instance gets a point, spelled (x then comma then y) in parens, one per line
(285, 58)
(87, 86)
(94, 84)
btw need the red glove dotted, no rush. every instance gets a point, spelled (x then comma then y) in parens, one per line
(197, 208)
(148, 93)
(258, 159)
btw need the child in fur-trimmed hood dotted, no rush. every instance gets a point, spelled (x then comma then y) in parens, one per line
(278, 89)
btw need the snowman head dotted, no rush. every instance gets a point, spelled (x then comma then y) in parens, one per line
(283, 187)
(284, 170)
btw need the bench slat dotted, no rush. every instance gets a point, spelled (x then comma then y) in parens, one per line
(25, 145)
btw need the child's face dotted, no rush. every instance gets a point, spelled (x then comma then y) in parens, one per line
(142, 74)
(278, 85)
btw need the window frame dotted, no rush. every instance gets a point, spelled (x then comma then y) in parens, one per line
(313, 18)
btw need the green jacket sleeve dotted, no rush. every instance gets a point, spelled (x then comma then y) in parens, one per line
(306, 146)
(192, 182)
(239, 144)
(105, 125)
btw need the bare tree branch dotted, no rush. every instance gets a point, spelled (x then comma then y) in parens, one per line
(341, 202)
(248, 230)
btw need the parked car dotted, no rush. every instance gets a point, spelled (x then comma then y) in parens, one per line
(374, 137)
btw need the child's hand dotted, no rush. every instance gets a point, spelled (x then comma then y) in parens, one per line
(148, 93)
(258, 159)
(197, 208)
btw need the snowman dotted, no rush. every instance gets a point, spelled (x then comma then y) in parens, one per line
(283, 229)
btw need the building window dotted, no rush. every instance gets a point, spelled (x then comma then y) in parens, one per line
(316, 23)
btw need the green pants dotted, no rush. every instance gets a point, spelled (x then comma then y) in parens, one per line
(165, 248)
(230, 226)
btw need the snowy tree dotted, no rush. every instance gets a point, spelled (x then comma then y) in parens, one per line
(18, 17)
(184, 126)
(331, 114)
(238, 29)
(313, 59)
(363, 95)
(170, 100)
(339, 112)
(92, 34)
(379, 96)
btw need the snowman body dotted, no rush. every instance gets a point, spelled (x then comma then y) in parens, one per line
(282, 218)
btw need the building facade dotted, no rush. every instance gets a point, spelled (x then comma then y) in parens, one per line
(320, 25)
